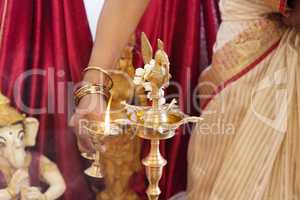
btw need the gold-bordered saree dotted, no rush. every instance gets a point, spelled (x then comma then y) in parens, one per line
(248, 145)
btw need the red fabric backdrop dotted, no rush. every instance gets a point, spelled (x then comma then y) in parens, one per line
(188, 29)
(51, 40)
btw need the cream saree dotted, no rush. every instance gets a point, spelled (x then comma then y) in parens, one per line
(248, 145)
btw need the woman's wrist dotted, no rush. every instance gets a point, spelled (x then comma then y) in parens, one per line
(93, 76)
(87, 89)
(96, 81)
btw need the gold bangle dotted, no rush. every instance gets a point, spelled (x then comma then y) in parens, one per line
(89, 86)
(102, 71)
(11, 193)
(90, 89)
(79, 96)
(78, 99)
(87, 91)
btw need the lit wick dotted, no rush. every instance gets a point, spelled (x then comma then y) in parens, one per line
(107, 127)
(98, 137)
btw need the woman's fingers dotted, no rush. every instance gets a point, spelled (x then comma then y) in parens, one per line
(93, 103)
(84, 141)
(90, 110)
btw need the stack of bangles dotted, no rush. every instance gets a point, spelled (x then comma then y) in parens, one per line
(97, 88)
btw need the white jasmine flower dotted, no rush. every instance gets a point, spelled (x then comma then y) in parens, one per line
(139, 72)
(149, 95)
(162, 101)
(148, 68)
(138, 80)
(147, 86)
(152, 62)
(161, 92)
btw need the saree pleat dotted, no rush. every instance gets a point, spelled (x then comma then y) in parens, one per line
(247, 145)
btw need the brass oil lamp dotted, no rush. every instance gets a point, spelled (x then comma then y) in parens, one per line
(158, 121)
(98, 132)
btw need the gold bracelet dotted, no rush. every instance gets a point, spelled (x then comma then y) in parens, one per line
(89, 85)
(111, 84)
(90, 89)
(78, 98)
(11, 193)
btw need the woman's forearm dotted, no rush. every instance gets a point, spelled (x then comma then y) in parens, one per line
(117, 22)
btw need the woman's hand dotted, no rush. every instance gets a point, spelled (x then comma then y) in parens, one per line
(90, 108)
(118, 21)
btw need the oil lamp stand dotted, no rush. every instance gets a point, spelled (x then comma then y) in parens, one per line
(154, 164)
(158, 121)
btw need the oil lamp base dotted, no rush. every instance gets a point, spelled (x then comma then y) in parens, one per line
(94, 171)
(154, 164)
(88, 156)
(153, 197)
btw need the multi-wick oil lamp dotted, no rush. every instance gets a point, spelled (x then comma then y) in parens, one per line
(158, 121)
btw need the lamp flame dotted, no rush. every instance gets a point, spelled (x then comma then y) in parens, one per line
(107, 118)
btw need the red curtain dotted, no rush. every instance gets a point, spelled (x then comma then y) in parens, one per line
(44, 46)
(188, 29)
